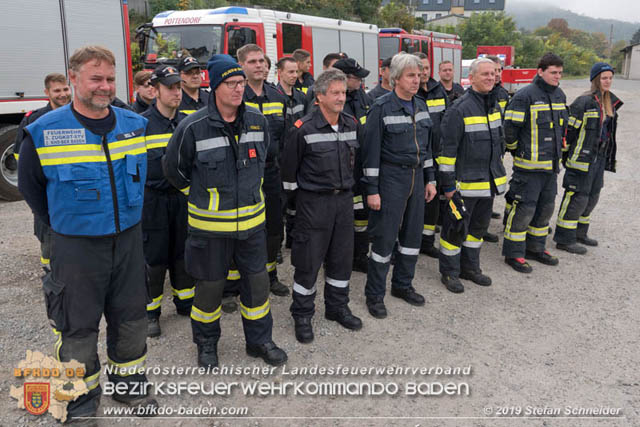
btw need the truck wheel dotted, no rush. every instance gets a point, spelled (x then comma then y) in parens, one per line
(8, 164)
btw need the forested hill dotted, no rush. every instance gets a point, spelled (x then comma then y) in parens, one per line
(531, 15)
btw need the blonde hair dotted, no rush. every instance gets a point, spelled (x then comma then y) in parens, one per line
(606, 96)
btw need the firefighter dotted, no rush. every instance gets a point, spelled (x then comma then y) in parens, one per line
(591, 150)
(437, 102)
(145, 92)
(318, 165)
(193, 96)
(164, 214)
(83, 168)
(445, 72)
(383, 87)
(272, 104)
(471, 163)
(57, 90)
(305, 79)
(287, 75)
(534, 125)
(357, 104)
(397, 162)
(218, 155)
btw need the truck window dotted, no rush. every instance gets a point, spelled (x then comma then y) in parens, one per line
(388, 47)
(407, 45)
(424, 47)
(238, 37)
(291, 37)
(171, 43)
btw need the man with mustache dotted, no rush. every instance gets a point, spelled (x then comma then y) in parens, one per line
(58, 91)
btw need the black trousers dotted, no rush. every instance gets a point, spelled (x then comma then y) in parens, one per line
(396, 227)
(431, 217)
(91, 277)
(532, 196)
(581, 195)
(164, 231)
(42, 231)
(208, 260)
(465, 255)
(323, 235)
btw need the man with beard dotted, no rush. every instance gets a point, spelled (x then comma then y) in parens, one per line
(58, 91)
(445, 72)
(82, 169)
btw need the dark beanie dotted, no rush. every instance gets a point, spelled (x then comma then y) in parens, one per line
(221, 67)
(598, 68)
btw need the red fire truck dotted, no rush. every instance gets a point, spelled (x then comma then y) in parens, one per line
(438, 47)
(513, 78)
(37, 39)
(202, 33)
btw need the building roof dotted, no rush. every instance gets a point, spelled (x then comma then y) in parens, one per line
(628, 48)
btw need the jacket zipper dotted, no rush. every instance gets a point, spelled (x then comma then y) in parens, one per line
(112, 182)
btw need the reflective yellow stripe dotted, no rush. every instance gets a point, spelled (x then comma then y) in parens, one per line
(92, 381)
(304, 90)
(357, 199)
(16, 156)
(500, 181)
(363, 120)
(538, 231)
(435, 102)
(474, 185)
(256, 312)
(227, 226)
(530, 164)
(508, 234)
(188, 111)
(271, 266)
(562, 222)
(155, 303)
(429, 227)
(229, 213)
(512, 146)
(514, 116)
(184, 294)
(214, 199)
(158, 141)
(185, 190)
(268, 107)
(448, 249)
(128, 368)
(233, 275)
(90, 153)
(44, 261)
(204, 317)
(475, 120)
(446, 160)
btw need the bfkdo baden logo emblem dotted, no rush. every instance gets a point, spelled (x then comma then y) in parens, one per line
(36, 397)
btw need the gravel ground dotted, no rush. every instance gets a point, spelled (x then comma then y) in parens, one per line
(564, 336)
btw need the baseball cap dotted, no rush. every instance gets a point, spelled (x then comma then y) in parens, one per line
(351, 66)
(187, 63)
(166, 75)
(386, 63)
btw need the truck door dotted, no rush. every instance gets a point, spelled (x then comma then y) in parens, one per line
(240, 34)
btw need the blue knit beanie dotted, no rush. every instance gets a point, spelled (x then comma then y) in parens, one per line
(221, 67)
(598, 68)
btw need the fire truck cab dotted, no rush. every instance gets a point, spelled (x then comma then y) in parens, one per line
(202, 33)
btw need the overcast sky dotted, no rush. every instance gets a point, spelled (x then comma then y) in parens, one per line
(625, 10)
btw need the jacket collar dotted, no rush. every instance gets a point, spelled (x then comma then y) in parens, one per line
(539, 81)
(214, 115)
(397, 104)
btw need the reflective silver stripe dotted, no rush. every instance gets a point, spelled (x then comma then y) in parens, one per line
(502, 188)
(126, 148)
(433, 182)
(291, 212)
(358, 206)
(422, 115)
(360, 229)
(66, 154)
(475, 193)
(336, 283)
(184, 293)
(495, 124)
(371, 171)
(427, 232)
(252, 313)
(472, 244)
(297, 109)
(379, 258)
(329, 137)
(396, 120)
(478, 127)
(408, 251)
(584, 219)
(446, 168)
(567, 224)
(207, 144)
(289, 185)
(427, 163)
(302, 290)
(449, 252)
(436, 108)
(235, 213)
(251, 137)
(92, 381)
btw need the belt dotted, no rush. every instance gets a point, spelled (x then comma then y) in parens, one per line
(401, 165)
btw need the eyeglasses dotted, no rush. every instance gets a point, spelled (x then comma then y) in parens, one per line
(234, 84)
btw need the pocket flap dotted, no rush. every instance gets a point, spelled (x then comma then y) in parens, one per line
(211, 157)
(51, 286)
(132, 164)
(78, 172)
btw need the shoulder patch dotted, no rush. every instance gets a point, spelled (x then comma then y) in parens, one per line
(298, 123)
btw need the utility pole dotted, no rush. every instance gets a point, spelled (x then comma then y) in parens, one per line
(611, 42)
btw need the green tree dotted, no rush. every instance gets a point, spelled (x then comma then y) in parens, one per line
(636, 37)
(577, 60)
(397, 15)
(486, 29)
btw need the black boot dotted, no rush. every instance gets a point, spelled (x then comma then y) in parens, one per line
(304, 330)
(277, 287)
(573, 248)
(409, 295)
(452, 284)
(343, 316)
(153, 327)
(376, 307)
(208, 353)
(269, 352)
(586, 240)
